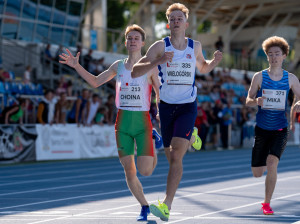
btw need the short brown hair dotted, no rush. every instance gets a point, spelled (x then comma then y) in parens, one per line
(137, 28)
(276, 41)
(179, 7)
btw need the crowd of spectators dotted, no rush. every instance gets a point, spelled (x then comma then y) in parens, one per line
(221, 102)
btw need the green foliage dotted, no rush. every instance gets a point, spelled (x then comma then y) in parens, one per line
(204, 27)
(115, 17)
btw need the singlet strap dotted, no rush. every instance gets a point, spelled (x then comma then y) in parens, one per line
(167, 41)
(190, 43)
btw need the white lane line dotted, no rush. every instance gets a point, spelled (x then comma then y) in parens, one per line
(185, 196)
(190, 162)
(238, 207)
(121, 191)
(117, 180)
(111, 173)
(142, 177)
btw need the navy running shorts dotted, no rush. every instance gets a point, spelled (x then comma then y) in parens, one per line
(177, 120)
(268, 142)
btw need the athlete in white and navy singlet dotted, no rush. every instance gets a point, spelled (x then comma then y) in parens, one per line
(132, 94)
(178, 76)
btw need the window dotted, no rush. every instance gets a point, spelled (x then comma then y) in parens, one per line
(26, 31)
(29, 10)
(41, 34)
(70, 37)
(56, 35)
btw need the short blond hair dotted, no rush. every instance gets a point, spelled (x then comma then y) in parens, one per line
(276, 41)
(179, 7)
(137, 28)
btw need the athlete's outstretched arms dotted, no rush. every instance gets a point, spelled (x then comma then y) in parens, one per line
(94, 81)
(251, 100)
(205, 66)
(154, 57)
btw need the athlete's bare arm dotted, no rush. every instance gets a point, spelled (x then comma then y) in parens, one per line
(293, 114)
(155, 56)
(295, 86)
(94, 81)
(154, 81)
(205, 66)
(251, 99)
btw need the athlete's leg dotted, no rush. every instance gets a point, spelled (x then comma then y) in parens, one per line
(271, 178)
(145, 165)
(260, 152)
(258, 171)
(277, 147)
(179, 147)
(133, 182)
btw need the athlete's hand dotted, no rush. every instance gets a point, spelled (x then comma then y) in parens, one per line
(260, 101)
(69, 59)
(168, 56)
(218, 55)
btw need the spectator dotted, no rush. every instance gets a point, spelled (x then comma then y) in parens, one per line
(46, 108)
(4, 75)
(61, 86)
(61, 109)
(246, 79)
(76, 114)
(58, 52)
(215, 93)
(202, 124)
(92, 67)
(47, 54)
(79, 49)
(92, 108)
(244, 119)
(87, 59)
(56, 65)
(217, 114)
(27, 75)
(101, 115)
(99, 66)
(219, 44)
(112, 110)
(14, 114)
(227, 115)
(69, 88)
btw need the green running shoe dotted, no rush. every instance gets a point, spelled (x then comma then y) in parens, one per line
(160, 211)
(198, 142)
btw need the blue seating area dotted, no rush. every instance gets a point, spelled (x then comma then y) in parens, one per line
(14, 88)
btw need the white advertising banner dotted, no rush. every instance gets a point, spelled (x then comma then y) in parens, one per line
(97, 141)
(56, 142)
(69, 141)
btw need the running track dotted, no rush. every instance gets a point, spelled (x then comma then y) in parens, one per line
(217, 187)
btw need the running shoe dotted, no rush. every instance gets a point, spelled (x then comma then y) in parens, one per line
(145, 211)
(267, 210)
(158, 139)
(197, 143)
(160, 211)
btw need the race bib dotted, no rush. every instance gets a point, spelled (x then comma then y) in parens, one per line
(275, 99)
(180, 73)
(130, 95)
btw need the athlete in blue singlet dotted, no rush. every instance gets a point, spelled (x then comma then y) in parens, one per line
(269, 91)
(176, 58)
